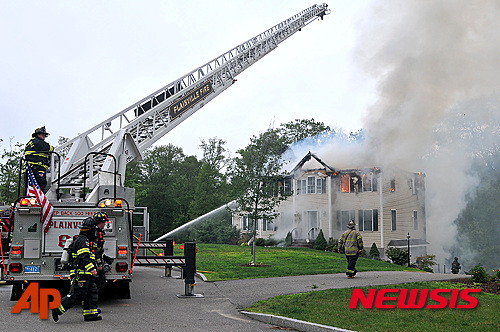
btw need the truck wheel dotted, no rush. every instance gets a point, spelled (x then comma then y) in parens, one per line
(17, 291)
(125, 290)
(115, 290)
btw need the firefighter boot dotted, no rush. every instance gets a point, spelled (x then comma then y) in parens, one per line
(55, 315)
(91, 318)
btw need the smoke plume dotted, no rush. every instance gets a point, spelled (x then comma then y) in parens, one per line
(435, 64)
(437, 74)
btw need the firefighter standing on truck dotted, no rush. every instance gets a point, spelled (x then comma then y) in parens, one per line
(37, 156)
(102, 260)
(83, 276)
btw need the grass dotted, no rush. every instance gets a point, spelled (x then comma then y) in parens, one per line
(224, 262)
(331, 307)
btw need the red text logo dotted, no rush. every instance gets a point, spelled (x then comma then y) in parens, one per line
(39, 300)
(413, 298)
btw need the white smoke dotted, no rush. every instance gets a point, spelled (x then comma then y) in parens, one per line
(437, 76)
(430, 60)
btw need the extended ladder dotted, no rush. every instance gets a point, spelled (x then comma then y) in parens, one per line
(124, 136)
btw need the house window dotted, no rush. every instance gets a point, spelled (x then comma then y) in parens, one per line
(367, 182)
(393, 220)
(413, 187)
(319, 186)
(393, 183)
(368, 220)
(287, 186)
(415, 220)
(268, 225)
(345, 183)
(311, 185)
(244, 225)
(301, 187)
(248, 224)
(343, 218)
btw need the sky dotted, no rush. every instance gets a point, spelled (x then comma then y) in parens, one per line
(70, 65)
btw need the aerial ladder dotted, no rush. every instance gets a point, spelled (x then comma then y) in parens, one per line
(86, 168)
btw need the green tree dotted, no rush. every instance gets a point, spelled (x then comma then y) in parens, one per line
(299, 129)
(374, 253)
(217, 229)
(397, 256)
(478, 225)
(164, 182)
(211, 187)
(9, 171)
(320, 243)
(255, 176)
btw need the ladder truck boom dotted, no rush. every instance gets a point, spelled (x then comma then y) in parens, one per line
(127, 134)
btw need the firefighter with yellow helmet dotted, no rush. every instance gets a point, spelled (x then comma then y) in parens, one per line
(37, 155)
(84, 289)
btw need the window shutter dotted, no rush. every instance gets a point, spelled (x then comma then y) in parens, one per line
(375, 220)
(339, 226)
(374, 182)
(360, 220)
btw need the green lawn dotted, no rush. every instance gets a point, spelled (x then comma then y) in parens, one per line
(331, 307)
(224, 262)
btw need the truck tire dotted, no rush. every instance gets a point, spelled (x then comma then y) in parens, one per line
(115, 290)
(17, 291)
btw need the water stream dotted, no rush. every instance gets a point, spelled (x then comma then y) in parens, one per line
(231, 205)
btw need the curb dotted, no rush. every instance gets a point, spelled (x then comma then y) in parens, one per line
(201, 276)
(292, 323)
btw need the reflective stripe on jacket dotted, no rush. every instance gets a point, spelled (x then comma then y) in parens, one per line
(83, 257)
(352, 242)
(34, 152)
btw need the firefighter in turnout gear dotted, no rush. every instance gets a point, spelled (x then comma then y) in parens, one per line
(37, 156)
(103, 261)
(83, 286)
(351, 243)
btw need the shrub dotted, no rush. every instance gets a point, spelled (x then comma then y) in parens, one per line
(496, 274)
(288, 239)
(426, 261)
(271, 242)
(397, 256)
(260, 242)
(479, 274)
(332, 245)
(427, 269)
(374, 253)
(320, 243)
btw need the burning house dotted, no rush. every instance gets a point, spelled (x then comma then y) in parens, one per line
(386, 205)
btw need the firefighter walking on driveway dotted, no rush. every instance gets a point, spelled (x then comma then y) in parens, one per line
(37, 156)
(351, 242)
(83, 286)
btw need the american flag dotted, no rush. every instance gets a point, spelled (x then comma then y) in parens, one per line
(35, 191)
